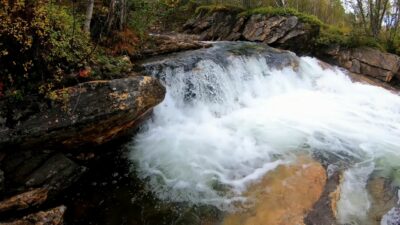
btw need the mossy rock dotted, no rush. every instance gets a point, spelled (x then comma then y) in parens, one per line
(271, 11)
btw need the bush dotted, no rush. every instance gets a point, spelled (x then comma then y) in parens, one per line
(39, 44)
(331, 35)
(110, 67)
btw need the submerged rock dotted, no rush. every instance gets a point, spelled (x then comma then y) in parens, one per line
(90, 113)
(284, 196)
(31, 169)
(383, 200)
(53, 216)
(57, 173)
(324, 210)
(25, 200)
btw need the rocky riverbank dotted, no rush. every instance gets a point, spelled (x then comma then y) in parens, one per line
(47, 146)
(35, 165)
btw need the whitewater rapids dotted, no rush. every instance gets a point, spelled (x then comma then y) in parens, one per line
(226, 121)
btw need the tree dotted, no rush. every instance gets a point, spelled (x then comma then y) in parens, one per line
(371, 14)
(88, 17)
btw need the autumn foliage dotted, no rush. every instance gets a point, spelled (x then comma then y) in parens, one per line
(37, 45)
(123, 42)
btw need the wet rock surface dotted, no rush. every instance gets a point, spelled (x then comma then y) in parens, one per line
(53, 216)
(219, 54)
(25, 200)
(32, 169)
(169, 43)
(90, 113)
(33, 180)
(324, 210)
(383, 200)
(284, 195)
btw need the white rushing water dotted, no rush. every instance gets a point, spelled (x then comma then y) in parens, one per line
(240, 120)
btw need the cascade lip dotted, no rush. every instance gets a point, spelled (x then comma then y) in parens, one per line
(219, 53)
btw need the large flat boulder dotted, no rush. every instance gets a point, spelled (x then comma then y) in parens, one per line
(90, 113)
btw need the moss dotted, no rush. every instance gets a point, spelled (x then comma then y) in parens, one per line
(270, 11)
(247, 49)
(219, 8)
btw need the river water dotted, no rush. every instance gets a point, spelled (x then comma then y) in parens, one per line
(237, 112)
(232, 114)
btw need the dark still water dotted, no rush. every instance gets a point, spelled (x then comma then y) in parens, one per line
(111, 194)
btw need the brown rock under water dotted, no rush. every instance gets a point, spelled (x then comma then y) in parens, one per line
(53, 216)
(284, 196)
(382, 196)
(325, 209)
(25, 200)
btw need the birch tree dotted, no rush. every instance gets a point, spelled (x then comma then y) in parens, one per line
(88, 16)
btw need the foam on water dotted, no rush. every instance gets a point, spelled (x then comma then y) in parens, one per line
(223, 127)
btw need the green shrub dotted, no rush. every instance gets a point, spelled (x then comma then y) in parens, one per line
(332, 35)
(110, 67)
(70, 46)
(357, 40)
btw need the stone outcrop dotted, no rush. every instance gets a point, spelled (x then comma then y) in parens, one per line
(160, 44)
(90, 113)
(53, 216)
(282, 31)
(367, 61)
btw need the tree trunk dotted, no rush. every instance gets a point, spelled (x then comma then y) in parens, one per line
(122, 19)
(88, 17)
(111, 15)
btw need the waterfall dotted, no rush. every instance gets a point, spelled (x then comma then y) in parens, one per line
(238, 110)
